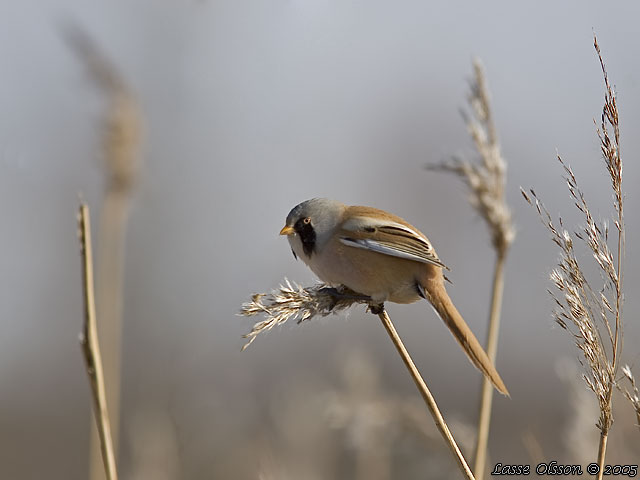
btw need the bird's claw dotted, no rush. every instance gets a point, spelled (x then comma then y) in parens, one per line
(376, 309)
(345, 294)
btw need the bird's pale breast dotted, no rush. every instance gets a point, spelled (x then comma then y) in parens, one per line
(382, 277)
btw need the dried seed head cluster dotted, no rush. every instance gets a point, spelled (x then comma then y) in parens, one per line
(485, 180)
(610, 148)
(124, 124)
(609, 134)
(579, 308)
(295, 302)
(592, 315)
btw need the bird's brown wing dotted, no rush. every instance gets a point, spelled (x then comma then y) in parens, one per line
(381, 232)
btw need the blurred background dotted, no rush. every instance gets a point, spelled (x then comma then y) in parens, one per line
(248, 109)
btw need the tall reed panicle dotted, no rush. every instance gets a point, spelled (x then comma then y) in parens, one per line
(486, 181)
(296, 302)
(122, 138)
(593, 317)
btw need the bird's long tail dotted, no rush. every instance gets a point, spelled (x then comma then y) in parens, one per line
(435, 292)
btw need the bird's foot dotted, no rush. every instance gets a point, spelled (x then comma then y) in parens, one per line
(344, 293)
(376, 309)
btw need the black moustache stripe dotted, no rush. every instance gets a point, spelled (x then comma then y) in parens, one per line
(307, 236)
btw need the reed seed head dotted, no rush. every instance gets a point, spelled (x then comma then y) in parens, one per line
(294, 302)
(485, 179)
(592, 315)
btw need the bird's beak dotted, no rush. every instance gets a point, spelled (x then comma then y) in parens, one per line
(287, 230)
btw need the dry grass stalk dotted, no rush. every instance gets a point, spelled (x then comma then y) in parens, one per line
(426, 395)
(592, 316)
(486, 183)
(91, 347)
(300, 303)
(121, 143)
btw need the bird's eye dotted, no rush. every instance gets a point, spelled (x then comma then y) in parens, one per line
(306, 221)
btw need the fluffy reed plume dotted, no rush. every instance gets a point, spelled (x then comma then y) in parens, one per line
(486, 183)
(632, 395)
(122, 138)
(486, 179)
(305, 303)
(594, 318)
(294, 302)
(579, 309)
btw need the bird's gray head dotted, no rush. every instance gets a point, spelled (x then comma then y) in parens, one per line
(310, 224)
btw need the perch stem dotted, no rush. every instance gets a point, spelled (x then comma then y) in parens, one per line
(426, 394)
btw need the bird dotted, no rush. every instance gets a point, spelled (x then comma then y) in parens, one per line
(382, 257)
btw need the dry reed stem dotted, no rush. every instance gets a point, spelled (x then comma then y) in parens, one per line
(486, 396)
(299, 303)
(121, 143)
(586, 313)
(426, 395)
(91, 347)
(486, 182)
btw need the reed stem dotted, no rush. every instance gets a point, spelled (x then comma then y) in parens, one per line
(426, 394)
(486, 399)
(91, 348)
